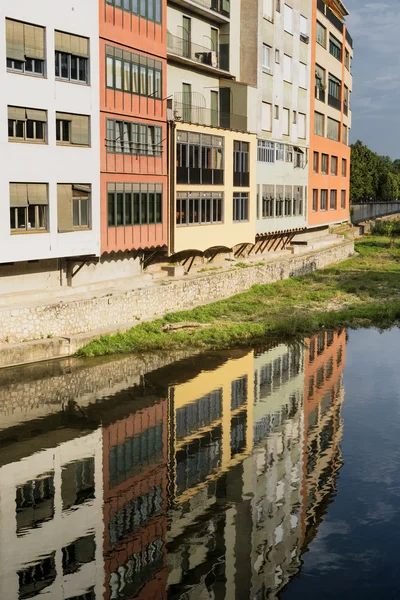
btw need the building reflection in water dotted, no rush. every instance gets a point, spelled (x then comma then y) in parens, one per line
(207, 480)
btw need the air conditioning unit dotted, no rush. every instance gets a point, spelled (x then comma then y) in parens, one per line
(214, 59)
(304, 38)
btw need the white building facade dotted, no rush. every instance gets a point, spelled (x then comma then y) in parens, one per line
(49, 132)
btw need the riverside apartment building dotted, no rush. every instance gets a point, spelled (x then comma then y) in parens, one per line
(276, 61)
(49, 139)
(331, 79)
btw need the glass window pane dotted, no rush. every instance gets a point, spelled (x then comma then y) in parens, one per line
(127, 77)
(144, 214)
(135, 79)
(143, 89)
(58, 64)
(29, 130)
(10, 128)
(111, 209)
(75, 212)
(120, 209)
(82, 69)
(39, 130)
(84, 213)
(151, 207)
(31, 217)
(19, 129)
(128, 209)
(12, 218)
(118, 74)
(74, 68)
(64, 65)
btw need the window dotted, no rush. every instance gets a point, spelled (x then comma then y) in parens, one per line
(288, 18)
(26, 124)
(301, 126)
(324, 164)
(199, 158)
(298, 192)
(199, 208)
(299, 158)
(77, 483)
(289, 154)
(267, 201)
(303, 76)
(80, 552)
(279, 151)
(320, 85)
(268, 9)
(315, 200)
(334, 165)
(321, 34)
(287, 68)
(333, 129)
(303, 25)
(240, 207)
(347, 59)
(266, 58)
(335, 47)
(334, 92)
(316, 162)
(266, 116)
(286, 121)
(277, 56)
(324, 199)
(344, 167)
(318, 124)
(72, 57)
(345, 138)
(333, 200)
(25, 48)
(28, 207)
(73, 201)
(276, 111)
(127, 137)
(343, 199)
(38, 576)
(134, 204)
(265, 151)
(279, 201)
(241, 175)
(73, 130)
(288, 200)
(149, 9)
(133, 73)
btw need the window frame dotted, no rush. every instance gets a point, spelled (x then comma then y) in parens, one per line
(156, 4)
(70, 79)
(185, 205)
(240, 207)
(139, 68)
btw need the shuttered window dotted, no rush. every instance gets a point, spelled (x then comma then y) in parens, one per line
(303, 77)
(287, 68)
(318, 123)
(266, 117)
(288, 18)
(28, 207)
(301, 125)
(25, 47)
(71, 44)
(26, 124)
(72, 129)
(74, 206)
(333, 132)
(72, 57)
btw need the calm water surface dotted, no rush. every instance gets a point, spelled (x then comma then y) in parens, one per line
(251, 474)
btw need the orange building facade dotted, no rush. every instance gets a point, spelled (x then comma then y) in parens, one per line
(330, 115)
(133, 125)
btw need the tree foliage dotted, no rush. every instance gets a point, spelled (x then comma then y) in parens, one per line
(373, 176)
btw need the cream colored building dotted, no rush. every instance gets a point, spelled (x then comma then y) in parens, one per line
(277, 63)
(212, 152)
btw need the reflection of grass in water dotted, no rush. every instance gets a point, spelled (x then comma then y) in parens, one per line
(360, 292)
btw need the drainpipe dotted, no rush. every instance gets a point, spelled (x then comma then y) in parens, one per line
(171, 160)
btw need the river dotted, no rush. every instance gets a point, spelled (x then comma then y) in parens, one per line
(262, 473)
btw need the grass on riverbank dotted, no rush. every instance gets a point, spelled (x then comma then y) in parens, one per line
(360, 292)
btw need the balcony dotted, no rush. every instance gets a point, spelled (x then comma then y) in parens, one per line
(349, 39)
(334, 102)
(216, 10)
(205, 58)
(184, 111)
(325, 10)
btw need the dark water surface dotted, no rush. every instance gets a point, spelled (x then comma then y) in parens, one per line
(249, 474)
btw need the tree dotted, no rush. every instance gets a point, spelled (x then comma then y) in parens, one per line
(373, 176)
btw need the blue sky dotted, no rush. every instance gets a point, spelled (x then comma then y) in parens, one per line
(375, 28)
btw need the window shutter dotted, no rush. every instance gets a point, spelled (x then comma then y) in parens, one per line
(288, 19)
(266, 117)
(303, 25)
(16, 113)
(79, 46)
(301, 125)
(18, 194)
(15, 40)
(62, 42)
(64, 206)
(80, 130)
(287, 68)
(36, 115)
(64, 116)
(34, 41)
(267, 9)
(37, 194)
(303, 75)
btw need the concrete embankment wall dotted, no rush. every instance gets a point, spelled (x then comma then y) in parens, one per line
(84, 318)
(365, 212)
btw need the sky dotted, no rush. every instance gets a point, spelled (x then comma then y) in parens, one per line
(375, 29)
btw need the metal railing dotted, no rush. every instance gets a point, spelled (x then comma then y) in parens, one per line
(334, 102)
(199, 115)
(185, 48)
(349, 38)
(219, 6)
(336, 22)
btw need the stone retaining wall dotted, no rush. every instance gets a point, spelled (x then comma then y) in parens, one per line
(65, 319)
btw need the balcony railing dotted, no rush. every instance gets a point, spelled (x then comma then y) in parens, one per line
(219, 6)
(336, 22)
(185, 48)
(198, 115)
(334, 102)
